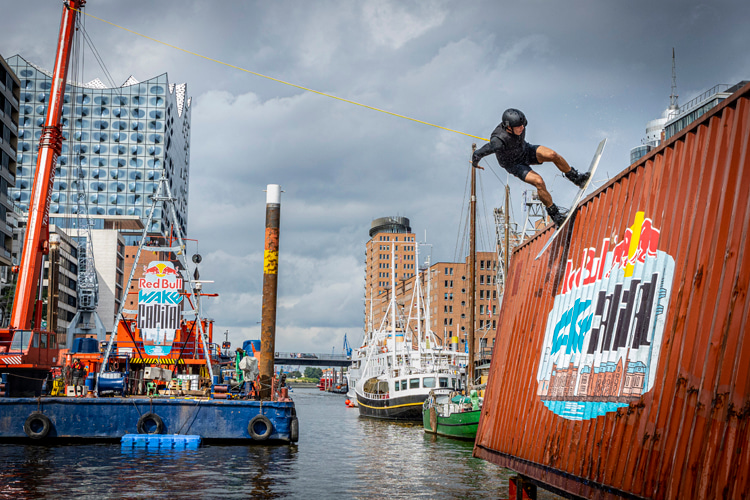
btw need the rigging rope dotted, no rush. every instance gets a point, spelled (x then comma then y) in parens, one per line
(281, 81)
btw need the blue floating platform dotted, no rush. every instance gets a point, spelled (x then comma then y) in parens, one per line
(161, 441)
(50, 419)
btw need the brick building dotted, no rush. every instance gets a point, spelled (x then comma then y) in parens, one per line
(448, 286)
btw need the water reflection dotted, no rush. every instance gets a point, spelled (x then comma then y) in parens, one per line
(339, 455)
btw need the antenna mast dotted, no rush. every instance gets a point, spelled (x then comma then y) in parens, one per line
(673, 96)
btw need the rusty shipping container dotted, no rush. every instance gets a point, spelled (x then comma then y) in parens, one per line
(621, 368)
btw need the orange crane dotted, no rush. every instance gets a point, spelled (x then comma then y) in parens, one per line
(29, 352)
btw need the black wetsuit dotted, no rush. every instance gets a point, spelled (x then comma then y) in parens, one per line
(513, 153)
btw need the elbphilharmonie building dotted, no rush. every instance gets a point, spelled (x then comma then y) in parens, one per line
(118, 142)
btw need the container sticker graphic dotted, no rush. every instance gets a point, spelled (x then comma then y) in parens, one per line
(603, 335)
(159, 310)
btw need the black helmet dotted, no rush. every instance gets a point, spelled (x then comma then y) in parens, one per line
(513, 118)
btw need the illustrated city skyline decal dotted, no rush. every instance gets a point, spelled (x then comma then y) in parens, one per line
(603, 336)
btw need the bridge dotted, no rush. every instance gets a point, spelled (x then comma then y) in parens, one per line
(311, 359)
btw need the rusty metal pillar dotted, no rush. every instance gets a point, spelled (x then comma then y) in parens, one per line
(53, 284)
(270, 283)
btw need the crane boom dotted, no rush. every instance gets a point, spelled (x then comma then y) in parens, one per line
(50, 146)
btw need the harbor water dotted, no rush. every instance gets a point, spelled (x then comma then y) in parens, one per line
(339, 455)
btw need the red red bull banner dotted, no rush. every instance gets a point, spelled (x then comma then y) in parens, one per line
(159, 307)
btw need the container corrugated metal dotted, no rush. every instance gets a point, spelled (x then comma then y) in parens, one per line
(621, 363)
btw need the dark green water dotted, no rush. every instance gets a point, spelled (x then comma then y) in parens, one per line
(339, 455)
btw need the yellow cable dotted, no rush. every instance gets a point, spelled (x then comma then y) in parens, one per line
(282, 81)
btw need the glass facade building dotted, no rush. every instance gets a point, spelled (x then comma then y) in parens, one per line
(118, 142)
(9, 93)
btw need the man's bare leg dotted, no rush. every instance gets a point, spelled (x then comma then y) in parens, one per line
(541, 188)
(544, 154)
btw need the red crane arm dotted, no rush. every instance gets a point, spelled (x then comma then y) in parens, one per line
(50, 146)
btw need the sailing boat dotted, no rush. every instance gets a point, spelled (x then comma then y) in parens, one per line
(397, 375)
(449, 413)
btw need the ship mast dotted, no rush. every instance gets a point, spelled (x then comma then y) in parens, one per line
(36, 242)
(472, 272)
(393, 302)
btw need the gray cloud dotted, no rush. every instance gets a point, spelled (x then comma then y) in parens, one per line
(580, 70)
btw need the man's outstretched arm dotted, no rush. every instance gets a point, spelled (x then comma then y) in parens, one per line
(485, 150)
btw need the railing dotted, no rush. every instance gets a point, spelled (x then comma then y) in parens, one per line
(705, 95)
(320, 356)
(192, 349)
(371, 395)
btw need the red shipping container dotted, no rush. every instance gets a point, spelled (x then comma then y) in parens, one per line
(620, 368)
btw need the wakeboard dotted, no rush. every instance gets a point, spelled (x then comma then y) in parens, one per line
(592, 169)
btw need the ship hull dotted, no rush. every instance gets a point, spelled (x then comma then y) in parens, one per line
(461, 425)
(111, 418)
(399, 408)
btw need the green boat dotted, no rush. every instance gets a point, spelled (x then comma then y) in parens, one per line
(452, 415)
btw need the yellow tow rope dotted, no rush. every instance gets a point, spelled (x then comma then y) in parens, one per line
(282, 81)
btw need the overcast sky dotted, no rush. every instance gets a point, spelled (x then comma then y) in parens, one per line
(580, 70)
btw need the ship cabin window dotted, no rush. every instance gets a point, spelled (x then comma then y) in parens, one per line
(396, 385)
(428, 382)
(443, 381)
(403, 385)
(414, 383)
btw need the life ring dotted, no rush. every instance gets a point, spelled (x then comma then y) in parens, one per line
(294, 430)
(114, 365)
(37, 425)
(384, 349)
(150, 423)
(262, 422)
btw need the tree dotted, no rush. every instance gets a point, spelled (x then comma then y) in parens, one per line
(295, 374)
(311, 372)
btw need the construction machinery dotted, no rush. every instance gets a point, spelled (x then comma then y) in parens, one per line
(28, 352)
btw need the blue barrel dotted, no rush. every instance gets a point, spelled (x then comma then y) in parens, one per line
(110, 383)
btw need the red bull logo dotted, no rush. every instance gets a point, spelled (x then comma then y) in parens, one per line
(160, 276)
(639, 242)
(160, 269)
